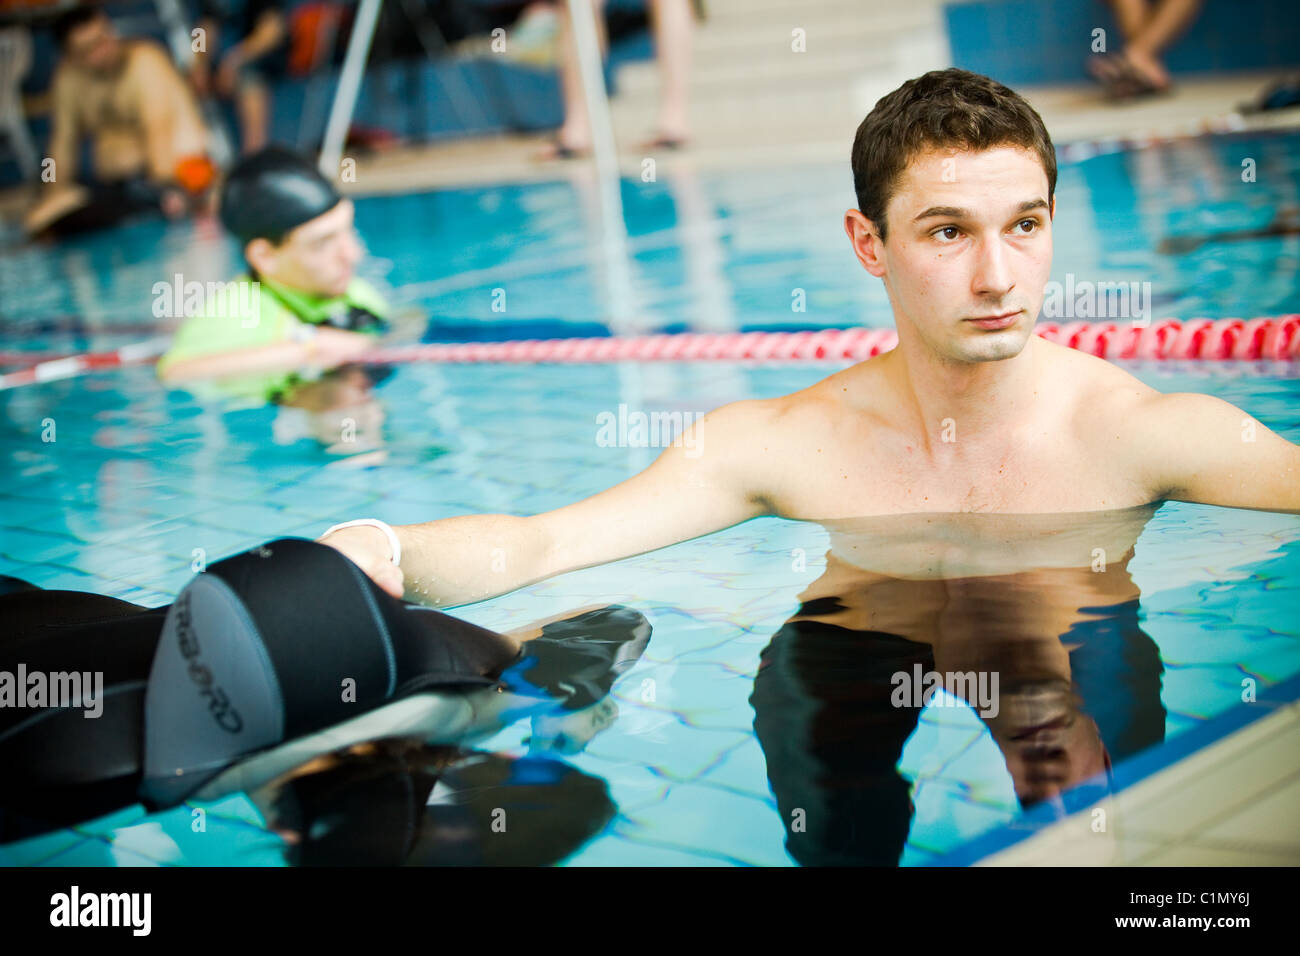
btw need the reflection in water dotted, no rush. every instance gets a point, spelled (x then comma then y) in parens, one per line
(406, 801)
(1077, 678)
(340, 411)
(394, 802)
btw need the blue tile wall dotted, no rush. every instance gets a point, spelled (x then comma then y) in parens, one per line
(1040, 42)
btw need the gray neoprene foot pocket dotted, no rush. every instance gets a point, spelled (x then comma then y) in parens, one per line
(213, 694)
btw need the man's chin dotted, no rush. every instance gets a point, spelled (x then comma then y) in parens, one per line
(995, 346)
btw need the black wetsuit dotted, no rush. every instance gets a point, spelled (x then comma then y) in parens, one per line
(109, 204)
(279, 641)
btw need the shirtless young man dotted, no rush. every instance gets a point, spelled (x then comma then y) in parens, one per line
(971, 412)
(148, 141)
(1004, 480)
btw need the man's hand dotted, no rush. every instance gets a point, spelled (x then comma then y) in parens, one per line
(367, 547)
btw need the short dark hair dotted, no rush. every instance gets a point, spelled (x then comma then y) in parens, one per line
(73, 19)
(943, 108)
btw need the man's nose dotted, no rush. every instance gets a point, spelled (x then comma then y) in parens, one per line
(993, 278)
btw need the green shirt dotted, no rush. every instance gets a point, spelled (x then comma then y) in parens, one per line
(245, 314)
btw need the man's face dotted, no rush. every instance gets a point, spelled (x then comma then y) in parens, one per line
(95, 46)
(319, 257)
(969, 239)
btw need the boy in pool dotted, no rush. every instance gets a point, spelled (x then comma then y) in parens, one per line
(955, 177)
(271, 334)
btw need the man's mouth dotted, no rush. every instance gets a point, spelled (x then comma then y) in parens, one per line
(995, 321)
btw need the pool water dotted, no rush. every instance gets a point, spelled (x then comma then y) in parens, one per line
(140, 482)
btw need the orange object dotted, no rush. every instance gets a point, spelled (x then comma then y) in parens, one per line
(313, 29)
(195, 173)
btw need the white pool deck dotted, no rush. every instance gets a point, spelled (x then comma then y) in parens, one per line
(1235, 802)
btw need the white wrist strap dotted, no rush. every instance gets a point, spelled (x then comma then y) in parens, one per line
(394, 545)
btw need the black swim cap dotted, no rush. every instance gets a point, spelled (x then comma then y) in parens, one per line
(272, 192)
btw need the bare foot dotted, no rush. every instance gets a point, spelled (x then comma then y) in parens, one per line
(54, 206)
(1148, 67)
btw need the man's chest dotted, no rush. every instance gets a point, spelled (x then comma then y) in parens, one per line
(1044, 473)
(107, 104)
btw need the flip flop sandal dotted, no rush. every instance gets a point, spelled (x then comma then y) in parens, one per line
(1134, 84)
(559, 150)
(1107, 69)
(666, 142)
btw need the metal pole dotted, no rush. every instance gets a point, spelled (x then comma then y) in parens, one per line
(618, 271)
(345, 97)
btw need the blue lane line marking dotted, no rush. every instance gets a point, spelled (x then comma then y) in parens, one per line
(1126, 774)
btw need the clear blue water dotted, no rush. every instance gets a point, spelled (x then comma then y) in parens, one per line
(140, 477)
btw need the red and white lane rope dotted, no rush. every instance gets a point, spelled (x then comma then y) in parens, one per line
(69, 366)
(1275, 338)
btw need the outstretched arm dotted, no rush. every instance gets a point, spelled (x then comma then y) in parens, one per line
(693, 489)
(1202, 449)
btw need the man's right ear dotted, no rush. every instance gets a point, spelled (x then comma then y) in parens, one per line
(866, 241)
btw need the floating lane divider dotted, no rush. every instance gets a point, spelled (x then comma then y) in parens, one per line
(70, 366)
(1275, 338)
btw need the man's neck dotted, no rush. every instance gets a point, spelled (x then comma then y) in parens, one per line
(965, 410)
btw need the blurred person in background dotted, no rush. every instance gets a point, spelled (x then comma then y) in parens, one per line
(245, 68)
(290, 329)
(1149, 28)
(673, 23)
(149, 145)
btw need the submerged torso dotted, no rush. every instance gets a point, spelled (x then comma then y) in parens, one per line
(938, 578)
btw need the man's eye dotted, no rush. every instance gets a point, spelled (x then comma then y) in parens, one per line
(945, 231)
(1031, 223)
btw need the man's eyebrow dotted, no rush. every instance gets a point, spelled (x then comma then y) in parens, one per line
(953, 212)
(947, 212)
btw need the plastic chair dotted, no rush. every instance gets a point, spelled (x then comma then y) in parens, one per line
(15, 61)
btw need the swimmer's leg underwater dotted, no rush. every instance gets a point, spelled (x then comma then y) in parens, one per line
(265, 655)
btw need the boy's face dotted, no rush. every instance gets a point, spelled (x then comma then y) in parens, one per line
(969, 239)
(319, 257)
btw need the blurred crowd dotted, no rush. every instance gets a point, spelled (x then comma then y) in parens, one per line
(146, 104)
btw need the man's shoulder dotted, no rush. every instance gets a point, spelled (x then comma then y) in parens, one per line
(148, 59)
(784, 423)
(1095, 386)
(792, 409)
